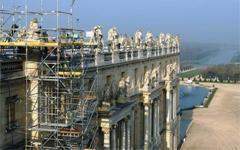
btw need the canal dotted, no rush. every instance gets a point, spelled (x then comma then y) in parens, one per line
(190, 96)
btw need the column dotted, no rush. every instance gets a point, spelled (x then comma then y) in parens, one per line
(123, 141)
(113, 138)
(132, 138)
(174, 104)
(168, 125)
(106, 138)
(156, 124)
(128, 127)
(150, 123)
(32, 98)
(146, 127)
(168, 95)
(158, 120)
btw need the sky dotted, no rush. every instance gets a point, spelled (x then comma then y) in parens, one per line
(206, 21)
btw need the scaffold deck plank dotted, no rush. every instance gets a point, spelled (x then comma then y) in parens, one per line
(68, 73)
(70, 131)
(55, 124)
(42, 129)
(44, 44)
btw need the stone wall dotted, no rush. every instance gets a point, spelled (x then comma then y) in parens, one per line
(12, 91)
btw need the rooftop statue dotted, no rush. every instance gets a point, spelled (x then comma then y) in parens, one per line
(131, 42)
(113, 39)
(34, 30)
(97, 36)
(123, 40)
(138, 39)
(162, 41)
(8, 36)
(168, 40)
(149, 40)
(22, 34)
(156, 42)
(177, 40)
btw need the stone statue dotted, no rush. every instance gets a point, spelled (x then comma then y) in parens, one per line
(177, 40)
(63, 37)
(113, 39)
(162, 41)
(123, 40)
(131, 42)
(138, 39)
(171, 71)
(147, 80)
(34, 30)
(97, 36)
(168, 40)
(122, 90)
(156, 42)
(22, 34)
(149, 40)
(173, 41)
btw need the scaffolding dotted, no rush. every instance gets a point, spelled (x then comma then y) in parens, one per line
(61, 101)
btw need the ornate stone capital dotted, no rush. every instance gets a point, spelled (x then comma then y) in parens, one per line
(106, 130)
(146, 97)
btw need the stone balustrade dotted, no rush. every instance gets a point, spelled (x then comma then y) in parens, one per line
(105, 58)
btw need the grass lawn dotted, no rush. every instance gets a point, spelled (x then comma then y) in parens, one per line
(190, 74)
(210, 97)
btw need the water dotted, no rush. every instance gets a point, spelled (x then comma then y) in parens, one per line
(189, 97)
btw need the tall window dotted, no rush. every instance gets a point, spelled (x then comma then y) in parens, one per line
(10, 111)
(108, 80)
(144, 75)
(153, 67)
(135, 76)
(122, 74)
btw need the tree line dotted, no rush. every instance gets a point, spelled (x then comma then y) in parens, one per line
(222, 73)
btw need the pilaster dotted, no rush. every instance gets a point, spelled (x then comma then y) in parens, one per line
(106, 133)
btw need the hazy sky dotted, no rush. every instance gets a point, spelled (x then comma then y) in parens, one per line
(195, 20)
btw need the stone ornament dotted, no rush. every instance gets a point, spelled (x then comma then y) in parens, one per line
(138, 40)
(122, 90)
(113, 39)
(149, 40)
(97, 36)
